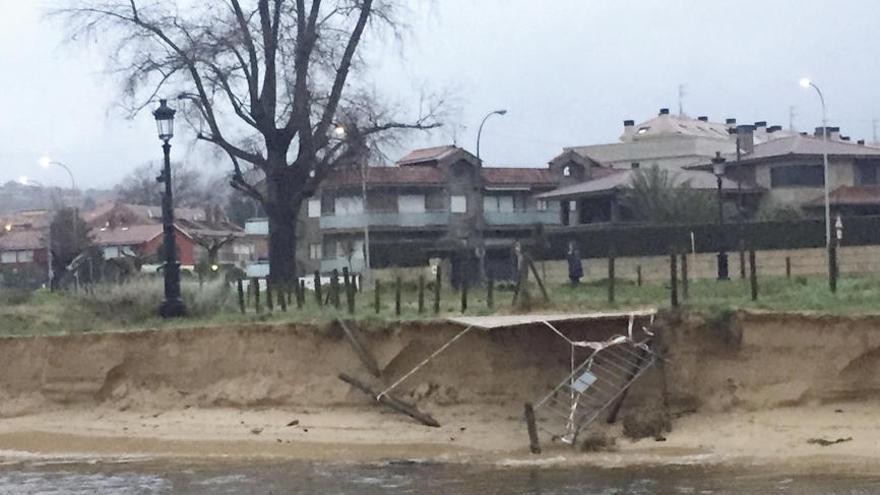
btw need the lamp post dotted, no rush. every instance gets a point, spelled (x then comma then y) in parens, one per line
(806, 83)
(718, 166)
(172, 306)
(46, 162)
(50, 271)
(480, 130)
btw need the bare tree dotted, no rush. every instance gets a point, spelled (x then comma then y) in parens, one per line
(140, 186)
(269, 82)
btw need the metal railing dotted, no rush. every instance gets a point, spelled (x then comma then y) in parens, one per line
(387, 219)
(528, 217)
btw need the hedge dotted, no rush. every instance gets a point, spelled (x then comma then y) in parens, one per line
(651, 240)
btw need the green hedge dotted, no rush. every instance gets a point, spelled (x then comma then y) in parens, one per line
(651, 240)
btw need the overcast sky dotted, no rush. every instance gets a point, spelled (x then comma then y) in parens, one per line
(568, 71)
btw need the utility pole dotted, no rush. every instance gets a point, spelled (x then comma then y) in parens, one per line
(791, 115)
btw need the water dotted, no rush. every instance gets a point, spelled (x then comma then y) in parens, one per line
(404, 478)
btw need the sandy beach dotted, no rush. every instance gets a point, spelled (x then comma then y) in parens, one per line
(488, 435)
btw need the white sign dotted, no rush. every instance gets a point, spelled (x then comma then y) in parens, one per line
(584, 382)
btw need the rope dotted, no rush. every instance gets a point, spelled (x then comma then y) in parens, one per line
(423, 363)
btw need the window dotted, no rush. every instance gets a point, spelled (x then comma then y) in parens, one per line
(542, 205)
(458, 204)
(572, 205)
(350, 248)
(314, 208)
(349, 205)
(111, 252)
(411, 203)
(867, 174)
(25, 256)
(315, 251)
(797, 176)
(566, 171)
(503, 204)
(7, 257)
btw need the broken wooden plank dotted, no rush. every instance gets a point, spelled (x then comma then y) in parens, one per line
(392, 402)
(360, 349)
(534, 446)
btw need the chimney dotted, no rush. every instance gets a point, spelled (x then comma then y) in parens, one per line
(761, 131)
(634, 165)
(703, 118)
(833, 133)
(745, 134)
(629, 130)
(844, 138)
(774, 128)
(861, 142)
(664, 111)
(731, 124)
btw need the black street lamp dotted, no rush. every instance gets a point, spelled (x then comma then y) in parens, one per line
(172, 306)
(718, 166)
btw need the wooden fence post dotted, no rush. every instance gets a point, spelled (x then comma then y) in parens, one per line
(833, 271)
(240, 284)
(377, 291)
(421, 293)
(437, 280)
(270, 303)
(283, 292)
(397, 291)
(490, 293)
(349, 290)
(638, 275)
(256, 283)
(753, 275)
(534, 446)
(788, 267)
(742, 259)
(673, 279)
(334, 288)
(464, 294)
(318, 296)
(300, 294)
(684, 276)
(611, 275)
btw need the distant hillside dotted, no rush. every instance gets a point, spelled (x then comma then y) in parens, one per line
(16, 197)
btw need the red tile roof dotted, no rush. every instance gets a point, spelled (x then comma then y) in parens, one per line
(131, 235)
(20, 240)
(410, 175)
(849, 196)
(518, 176)
(427, 154)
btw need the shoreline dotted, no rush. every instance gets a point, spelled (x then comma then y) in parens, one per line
(767, 440)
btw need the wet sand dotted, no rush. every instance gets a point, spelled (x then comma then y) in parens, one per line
(485, 435)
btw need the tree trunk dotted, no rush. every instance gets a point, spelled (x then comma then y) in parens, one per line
(282, 215)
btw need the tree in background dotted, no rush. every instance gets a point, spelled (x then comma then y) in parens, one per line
(71, 236)
(271, 87)
(656, 196)
(141, 188)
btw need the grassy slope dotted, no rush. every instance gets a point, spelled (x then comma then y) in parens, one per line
(133, 306)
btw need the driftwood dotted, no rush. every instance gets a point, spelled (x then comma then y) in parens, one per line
(392, 402)
(361, 350)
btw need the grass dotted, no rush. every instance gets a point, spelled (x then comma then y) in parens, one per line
(133, 306)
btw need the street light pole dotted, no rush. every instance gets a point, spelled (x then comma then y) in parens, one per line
(718, 166)
(480, 130)
(172, 306)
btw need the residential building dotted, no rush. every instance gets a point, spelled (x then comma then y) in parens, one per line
(790, 171)
(671, 142)
(437, 203)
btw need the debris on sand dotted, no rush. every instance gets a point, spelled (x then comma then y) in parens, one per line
(646, 424)
(824, 443)
(295, 422)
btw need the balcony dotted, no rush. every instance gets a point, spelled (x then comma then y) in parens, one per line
(384, 219)
(529, 217)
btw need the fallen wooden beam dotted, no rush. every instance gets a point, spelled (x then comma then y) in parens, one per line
(390, 401)
(534, 445)
(360, 349)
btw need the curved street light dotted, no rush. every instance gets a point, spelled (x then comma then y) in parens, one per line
(46, 162)
(806, 83)
(480, 131)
